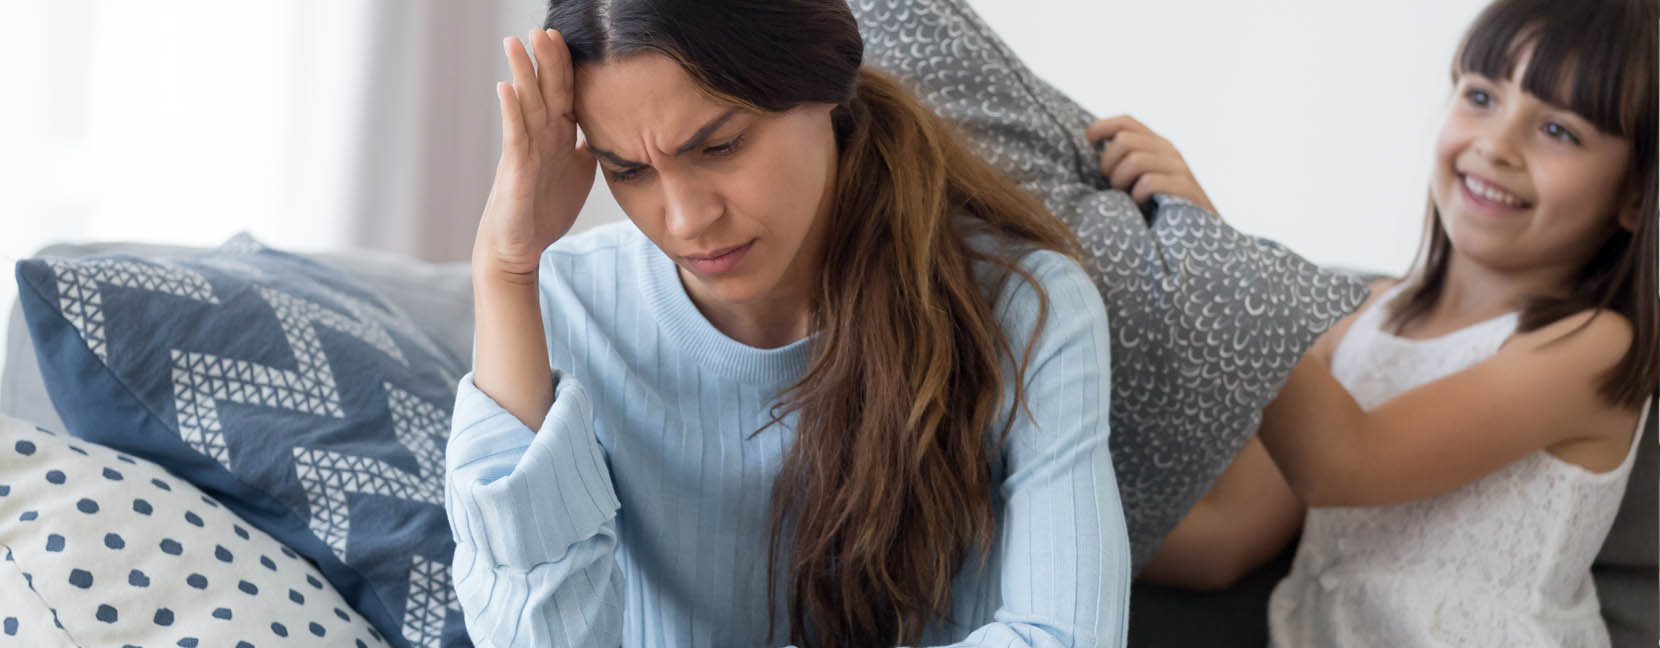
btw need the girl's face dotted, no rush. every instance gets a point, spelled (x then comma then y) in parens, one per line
(1521, 183)
(735, 197)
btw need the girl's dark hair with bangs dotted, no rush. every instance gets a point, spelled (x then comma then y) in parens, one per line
(1596, 58)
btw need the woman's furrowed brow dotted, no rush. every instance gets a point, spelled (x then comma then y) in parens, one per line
(697, 139)
(702, 135)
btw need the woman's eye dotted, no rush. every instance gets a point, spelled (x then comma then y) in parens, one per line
(626, 175)
(1479, 97)
(1560, 132)
(725, 149)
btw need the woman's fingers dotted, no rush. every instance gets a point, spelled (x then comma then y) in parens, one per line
(513, 138)
(531, 107)
(568, 87)
(553, 71)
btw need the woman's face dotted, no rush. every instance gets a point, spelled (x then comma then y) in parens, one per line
(735, 197)
(1522, 183)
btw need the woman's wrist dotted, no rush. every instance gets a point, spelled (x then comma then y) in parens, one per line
(490, 271)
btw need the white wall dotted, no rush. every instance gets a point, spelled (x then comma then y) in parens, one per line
(1308, 121)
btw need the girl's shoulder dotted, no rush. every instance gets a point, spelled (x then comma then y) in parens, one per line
(1589, 342)
(1603, 330)
(1577, 351)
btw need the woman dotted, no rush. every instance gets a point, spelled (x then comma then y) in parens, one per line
(839, 384)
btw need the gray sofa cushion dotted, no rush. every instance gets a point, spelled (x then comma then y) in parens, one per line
(1634, 541)
(1628, 581)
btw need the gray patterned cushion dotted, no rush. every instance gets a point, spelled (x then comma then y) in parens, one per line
(1207, 322)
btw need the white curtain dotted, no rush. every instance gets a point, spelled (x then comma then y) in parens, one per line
(314, 124)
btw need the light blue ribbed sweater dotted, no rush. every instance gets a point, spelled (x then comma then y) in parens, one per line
(638, 514)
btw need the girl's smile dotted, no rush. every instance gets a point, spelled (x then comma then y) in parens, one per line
(1486, 194)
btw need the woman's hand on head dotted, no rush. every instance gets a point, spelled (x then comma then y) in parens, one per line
(545, 173)
(1138, 161)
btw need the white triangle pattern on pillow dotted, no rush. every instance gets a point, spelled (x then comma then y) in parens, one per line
(329, 477)
(80, 286)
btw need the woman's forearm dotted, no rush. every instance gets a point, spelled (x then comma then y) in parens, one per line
(534, 514)
(510, 361)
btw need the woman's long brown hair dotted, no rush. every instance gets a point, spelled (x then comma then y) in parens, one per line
(885, 493)
(1598, 59)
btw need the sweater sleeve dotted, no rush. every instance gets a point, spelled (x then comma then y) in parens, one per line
(534, 519)
(1062, 542)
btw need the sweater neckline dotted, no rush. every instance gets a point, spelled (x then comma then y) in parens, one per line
(698, 338)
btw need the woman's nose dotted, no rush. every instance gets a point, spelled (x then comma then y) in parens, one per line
(689, 207)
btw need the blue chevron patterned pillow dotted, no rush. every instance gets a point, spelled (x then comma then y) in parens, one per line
(282, 388)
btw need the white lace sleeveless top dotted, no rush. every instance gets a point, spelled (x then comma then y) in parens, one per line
(1503, 561)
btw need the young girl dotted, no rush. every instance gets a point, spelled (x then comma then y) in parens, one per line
(1464, 440)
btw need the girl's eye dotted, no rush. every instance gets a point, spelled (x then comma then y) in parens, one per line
(1557, 131)
(1478, 97)
(725, 149)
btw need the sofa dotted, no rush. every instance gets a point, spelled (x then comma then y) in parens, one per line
(438, 298)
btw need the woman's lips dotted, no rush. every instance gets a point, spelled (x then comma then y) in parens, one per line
(719, 261)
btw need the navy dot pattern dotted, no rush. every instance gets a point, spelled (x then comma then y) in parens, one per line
(115, 551)
(25, 620)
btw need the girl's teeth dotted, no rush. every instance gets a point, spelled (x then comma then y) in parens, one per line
(1491, 192)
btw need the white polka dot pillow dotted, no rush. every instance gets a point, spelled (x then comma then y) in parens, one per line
(101, 549)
